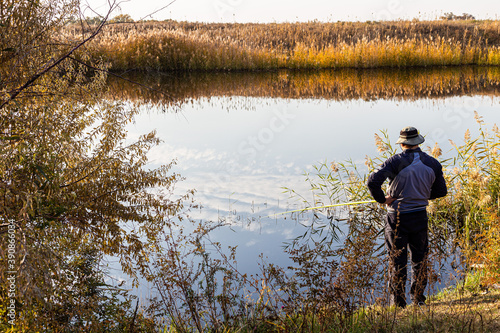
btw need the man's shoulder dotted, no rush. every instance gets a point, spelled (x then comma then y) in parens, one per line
(395, 163)
(397, 158)
(389, 161)
(429, 157)
(430, 160)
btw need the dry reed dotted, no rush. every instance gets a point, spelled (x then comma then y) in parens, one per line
(170, 45)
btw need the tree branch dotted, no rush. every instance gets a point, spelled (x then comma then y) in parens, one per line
(50, 66)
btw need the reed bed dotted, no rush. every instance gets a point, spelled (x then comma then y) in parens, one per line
(182, 46)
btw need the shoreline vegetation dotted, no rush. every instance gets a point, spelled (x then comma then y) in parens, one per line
(186, 46)
(463, 227)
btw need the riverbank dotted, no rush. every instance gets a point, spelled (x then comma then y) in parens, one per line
(186, 46)
(472, 309)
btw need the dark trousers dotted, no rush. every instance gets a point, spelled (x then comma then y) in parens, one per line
(402, 232)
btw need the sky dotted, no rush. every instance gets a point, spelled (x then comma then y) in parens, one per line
(269, 11)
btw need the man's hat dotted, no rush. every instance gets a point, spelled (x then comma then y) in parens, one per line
(410, 136)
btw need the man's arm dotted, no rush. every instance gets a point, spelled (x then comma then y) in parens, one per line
(377, 178)
(438, 188)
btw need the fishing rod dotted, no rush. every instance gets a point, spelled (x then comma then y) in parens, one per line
(327, 206)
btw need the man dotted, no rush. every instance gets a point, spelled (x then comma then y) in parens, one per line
(414, 179)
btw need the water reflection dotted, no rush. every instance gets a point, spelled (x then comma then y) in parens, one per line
(368, 84)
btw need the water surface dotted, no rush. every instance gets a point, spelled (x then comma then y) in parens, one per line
(239, 138)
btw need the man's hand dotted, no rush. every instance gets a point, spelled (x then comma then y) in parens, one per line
(389, 200)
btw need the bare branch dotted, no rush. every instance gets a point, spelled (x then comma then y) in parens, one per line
(51, 64)
(156, 11)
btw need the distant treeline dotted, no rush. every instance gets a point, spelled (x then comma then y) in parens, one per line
(188, 46)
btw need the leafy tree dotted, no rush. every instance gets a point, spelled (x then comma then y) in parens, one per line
(122, 18)
(95, 20)
(72, 189)
(452, 17)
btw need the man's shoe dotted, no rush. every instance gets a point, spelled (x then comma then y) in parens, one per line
(419, 300)
(397, 301)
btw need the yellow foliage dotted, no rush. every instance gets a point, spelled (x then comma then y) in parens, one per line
(486, 257)
(203, 46)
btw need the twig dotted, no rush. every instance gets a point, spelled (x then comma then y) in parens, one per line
(49, 66)
(133, 318)
(156, 11)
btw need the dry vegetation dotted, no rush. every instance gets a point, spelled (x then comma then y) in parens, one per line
(167, 46)
(461, 310)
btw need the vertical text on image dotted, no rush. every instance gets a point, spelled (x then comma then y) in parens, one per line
(11, 273)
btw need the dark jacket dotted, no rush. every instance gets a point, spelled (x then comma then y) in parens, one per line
(414, 179)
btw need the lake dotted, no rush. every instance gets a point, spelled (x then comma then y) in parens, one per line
(240, 138)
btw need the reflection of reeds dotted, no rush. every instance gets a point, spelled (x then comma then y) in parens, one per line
(174, 45)
(346, 84)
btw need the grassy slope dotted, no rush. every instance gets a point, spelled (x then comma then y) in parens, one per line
(458, 311)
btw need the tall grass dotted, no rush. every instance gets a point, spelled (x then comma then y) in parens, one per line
(181, 46)
(393, 53)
